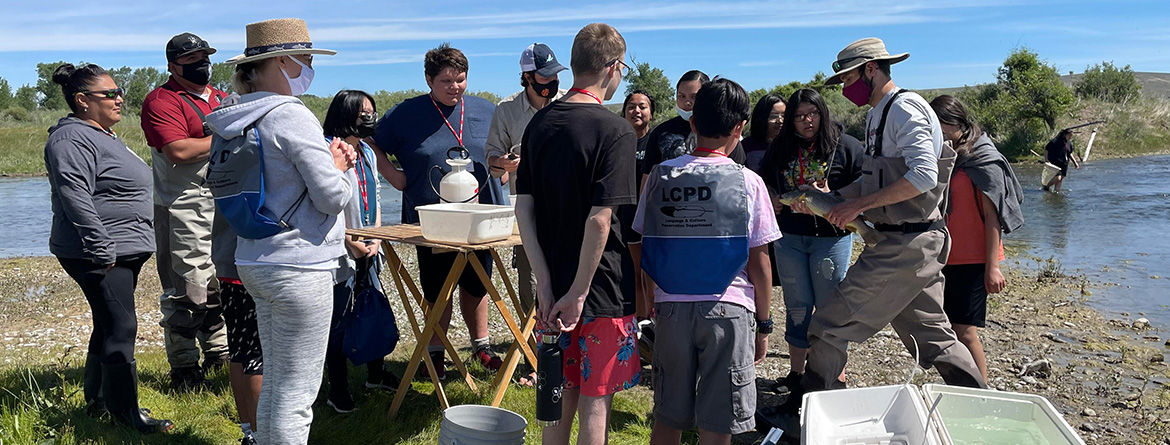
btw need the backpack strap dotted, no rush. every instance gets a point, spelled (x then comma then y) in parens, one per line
(880, 137)
(301, 199)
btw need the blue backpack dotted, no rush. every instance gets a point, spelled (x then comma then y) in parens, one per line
(235, 176)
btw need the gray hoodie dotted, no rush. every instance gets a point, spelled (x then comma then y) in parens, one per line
(101, 194)
(296, 157)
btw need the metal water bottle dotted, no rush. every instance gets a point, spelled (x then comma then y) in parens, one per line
(549, 380)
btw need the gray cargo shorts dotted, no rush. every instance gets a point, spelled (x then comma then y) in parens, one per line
(704, 366)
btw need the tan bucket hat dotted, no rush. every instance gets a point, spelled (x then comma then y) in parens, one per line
(859, 52)
(277, 37)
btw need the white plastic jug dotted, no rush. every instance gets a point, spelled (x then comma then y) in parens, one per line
(459, 185)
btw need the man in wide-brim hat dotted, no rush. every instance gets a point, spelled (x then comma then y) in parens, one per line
(898, 281)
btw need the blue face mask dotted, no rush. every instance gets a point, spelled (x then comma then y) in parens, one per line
(686, 115)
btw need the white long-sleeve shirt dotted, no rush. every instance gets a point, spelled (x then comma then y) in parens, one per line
(912, 132)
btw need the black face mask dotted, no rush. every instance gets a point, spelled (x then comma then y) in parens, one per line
(197, 72)
(366, 126)
(546, 90)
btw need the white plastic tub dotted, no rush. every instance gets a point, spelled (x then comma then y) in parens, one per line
(977, 416)
(466, 223)
(516, 226)
(854, 417)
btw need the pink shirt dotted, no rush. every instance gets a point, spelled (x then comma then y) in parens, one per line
(762, 229)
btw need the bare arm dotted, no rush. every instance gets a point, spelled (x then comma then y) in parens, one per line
(187, 151)
(847, 211)
(567, 310)
(759, 270)
(527, 221)
(993, 278)
(393, 175)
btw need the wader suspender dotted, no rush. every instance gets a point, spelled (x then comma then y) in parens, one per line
(202, 116)
(878, 139)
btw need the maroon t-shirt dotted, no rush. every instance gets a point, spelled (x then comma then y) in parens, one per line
(167, 117)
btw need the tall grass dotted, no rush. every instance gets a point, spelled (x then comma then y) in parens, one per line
(22, 143)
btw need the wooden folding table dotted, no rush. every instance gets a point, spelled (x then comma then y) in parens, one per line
(524, 342)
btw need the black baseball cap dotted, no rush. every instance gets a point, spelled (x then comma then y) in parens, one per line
(540, 58)
(186, 43)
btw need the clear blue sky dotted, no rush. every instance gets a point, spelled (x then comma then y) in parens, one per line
(380, 44)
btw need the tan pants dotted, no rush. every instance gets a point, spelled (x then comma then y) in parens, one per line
(897, 282)
(190, 304)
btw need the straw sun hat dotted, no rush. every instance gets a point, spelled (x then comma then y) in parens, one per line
(277, 37)
(859, 52)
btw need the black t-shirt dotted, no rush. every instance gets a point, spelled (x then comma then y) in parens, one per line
(575, 156)
(845, 170)
(1058, 151)
(669, 140)
(641, 153)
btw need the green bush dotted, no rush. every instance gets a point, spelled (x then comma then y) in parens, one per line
(16, 113)
(1106, 82)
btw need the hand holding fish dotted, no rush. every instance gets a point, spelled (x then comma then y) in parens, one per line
(844, 213)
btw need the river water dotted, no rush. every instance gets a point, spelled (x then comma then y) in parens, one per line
(1111, 223)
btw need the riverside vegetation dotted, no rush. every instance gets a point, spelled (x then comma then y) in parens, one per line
(1021, 110)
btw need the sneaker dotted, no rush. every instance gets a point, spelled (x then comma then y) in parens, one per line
(248, 440)
(187, 378)
(437, 358)
(788, 384)
(386, 381)
(488, 358)
(340, 399)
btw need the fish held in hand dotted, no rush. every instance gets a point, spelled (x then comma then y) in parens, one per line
(821, 203)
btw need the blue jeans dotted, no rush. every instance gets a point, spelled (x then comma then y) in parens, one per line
(809, 267)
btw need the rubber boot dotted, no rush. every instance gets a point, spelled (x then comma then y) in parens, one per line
(121, 385)
(91, 386)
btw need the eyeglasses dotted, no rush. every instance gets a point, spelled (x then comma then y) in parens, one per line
(367, 114)
(808, 116)
(838, 64)
(623, 68)
(775, 118)
(106, 94)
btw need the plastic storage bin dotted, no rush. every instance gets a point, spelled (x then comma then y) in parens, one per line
(978, 416)
(854, 417)
(466, 223)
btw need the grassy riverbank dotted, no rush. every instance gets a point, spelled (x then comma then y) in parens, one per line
(1108, 378)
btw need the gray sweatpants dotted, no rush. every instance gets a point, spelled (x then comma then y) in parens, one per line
(293, 308)
(897, 282)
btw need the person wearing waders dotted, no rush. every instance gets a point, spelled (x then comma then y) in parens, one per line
(706, 224)
(173, 121)
(898, 281)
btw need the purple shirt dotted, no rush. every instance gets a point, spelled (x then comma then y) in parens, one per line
(762, 229)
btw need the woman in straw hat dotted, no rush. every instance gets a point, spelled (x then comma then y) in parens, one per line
(290, 274)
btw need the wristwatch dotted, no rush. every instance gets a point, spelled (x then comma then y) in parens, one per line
(764, 326)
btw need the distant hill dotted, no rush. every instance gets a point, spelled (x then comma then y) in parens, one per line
(1154, 85)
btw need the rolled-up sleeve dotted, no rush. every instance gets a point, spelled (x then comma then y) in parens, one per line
(917, 144)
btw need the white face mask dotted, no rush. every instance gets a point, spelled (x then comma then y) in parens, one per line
(301, 84)
(686, 115)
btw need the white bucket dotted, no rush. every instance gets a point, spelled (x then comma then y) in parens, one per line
(1049, 173)
(481, 425)
(854, 416)
(466, 223)
(969, 415)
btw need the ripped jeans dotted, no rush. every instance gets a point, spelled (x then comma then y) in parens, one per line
(809, 267)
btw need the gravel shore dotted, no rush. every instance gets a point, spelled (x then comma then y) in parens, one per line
(1108, 377)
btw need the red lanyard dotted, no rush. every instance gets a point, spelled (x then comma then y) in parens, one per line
(708, 150)
(459, 135)
(586, 92)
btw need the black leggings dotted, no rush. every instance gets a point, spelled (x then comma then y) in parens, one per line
(111, 299)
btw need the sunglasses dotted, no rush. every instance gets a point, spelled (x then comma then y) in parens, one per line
(106, 94)
(622, 68)
(838, 64)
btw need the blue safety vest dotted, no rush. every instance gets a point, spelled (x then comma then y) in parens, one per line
(695, 236)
